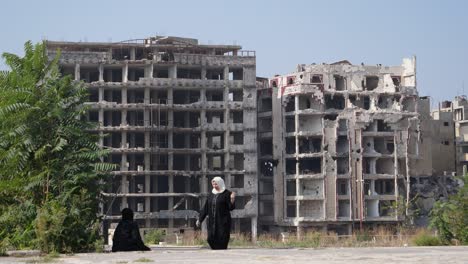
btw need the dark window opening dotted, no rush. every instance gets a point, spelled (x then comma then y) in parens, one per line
(290, 166)
(316, 78)
(188, 73)
(340, 83)
(310, 166)
(334, 102)
(266, 168)
(446, 123)
(371, 83)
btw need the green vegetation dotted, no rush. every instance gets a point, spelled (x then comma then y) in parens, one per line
(424, 238)
(450, 217)
(51, 172)
(154, 236)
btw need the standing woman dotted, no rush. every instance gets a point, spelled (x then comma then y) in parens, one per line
(218, 207)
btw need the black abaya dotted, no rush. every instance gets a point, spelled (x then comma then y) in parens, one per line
(217, 208)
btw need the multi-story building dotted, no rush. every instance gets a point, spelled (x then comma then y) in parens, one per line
(338, 144)
(174, 114)
(456, 112)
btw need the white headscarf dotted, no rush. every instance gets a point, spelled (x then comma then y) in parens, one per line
(220, 183)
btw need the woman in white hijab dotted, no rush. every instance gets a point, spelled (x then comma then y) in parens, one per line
(218, 207)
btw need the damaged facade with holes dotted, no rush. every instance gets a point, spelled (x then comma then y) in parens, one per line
(174, 114)
(338, 144)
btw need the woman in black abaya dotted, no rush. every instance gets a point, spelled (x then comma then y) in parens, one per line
(218, 207)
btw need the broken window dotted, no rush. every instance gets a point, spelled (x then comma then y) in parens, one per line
(396, 81)
(188, 73)
(310, 166)
(113, 140)
(265, 125)
(290, 80)
(310, 123)
(237, 117)
(308, 102)
(274, 83)
(160, 72)
(158, 117)
(237, 180)
(384, 145)
(159, 140)
(266, 148)
(215, 117)
(361, 101)
(334, 101)
(371, 82)
(112, 118)
(382, 126)
(236, 161)
(236, 138)
(179, 162)
(290, 124)
(343, 208)
(93, 116)
(158, 97)
(385, 102)
(310, 145)
(89, 74)
(186, 96)
(290, 106)
(93, 95)
(342, 187)
(342, 165)
(113, 75)
(135, 118)
(342, 145)
(236, 95)
(236, 74)
(216, 162)
(385, 187)
(215, 74)
(290, 166)
(134, 74)
(316, 78)
(178, 140)
(291, 188)
(159, 162)
(215, 140)
(136, 139)
(135, 96)
(121, 53)
(216, 96)
(290, 145)
(265, 105)
(340, 83)
(111, 95)
(195, 163)
(386, 208)
(385, 166)
(291, 209)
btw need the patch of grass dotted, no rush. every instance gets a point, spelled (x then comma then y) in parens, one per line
(155, 236)
(424, 238)
(143, 260)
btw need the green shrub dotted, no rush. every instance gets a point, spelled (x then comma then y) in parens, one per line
(154, 236)
(423, 238)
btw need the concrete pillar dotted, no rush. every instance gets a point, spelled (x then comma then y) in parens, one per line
(254, 229)
(132, 53)
(226, 73)
(77, 72)
(101, 72)
(203, 73)
(173, 72)
(125, 73)
(170, 137)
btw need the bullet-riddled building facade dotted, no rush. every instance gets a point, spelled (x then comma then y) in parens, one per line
(338, 144)
(174, 114)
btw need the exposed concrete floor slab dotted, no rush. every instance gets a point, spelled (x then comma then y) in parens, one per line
(446, 255)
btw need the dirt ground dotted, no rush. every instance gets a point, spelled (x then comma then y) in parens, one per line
(419, 255)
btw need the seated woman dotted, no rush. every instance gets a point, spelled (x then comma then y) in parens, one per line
(127, 235)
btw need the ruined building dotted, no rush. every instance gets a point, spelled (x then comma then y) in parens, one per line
(338, 144)
(174, 114)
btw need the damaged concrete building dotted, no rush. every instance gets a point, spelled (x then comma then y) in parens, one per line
(174, 114)
(338, 144)
(455, 117)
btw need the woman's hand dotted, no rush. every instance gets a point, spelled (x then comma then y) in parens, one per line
(233, 197)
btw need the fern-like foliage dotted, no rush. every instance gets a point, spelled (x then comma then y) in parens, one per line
(50, 166)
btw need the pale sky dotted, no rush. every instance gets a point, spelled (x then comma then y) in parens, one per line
(283, 33)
